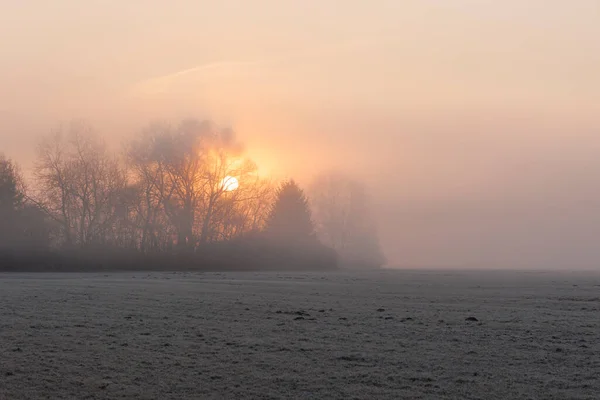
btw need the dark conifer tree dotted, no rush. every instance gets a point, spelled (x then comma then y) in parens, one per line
(11, 201)
(290, 220)
(11, 196)
(22, 225)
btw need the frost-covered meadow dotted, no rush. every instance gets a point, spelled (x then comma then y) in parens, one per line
(383, 334)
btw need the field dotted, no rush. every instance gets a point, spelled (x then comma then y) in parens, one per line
(343, 335)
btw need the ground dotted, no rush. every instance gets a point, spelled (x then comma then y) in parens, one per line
(343, 335)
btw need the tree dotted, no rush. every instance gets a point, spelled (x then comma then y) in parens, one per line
(180, 173)
(344, 221)
(11, 202)
(172, 196)
(79, 184)
(290, 220)
(243, 210)
(23, 225)
(148, 172)
(223, 160)
(11, 186)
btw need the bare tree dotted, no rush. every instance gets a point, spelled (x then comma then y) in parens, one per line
(341, 211)
(222, 164)
(147, 172)
(243, 210)
(78, 183)
(181, 172)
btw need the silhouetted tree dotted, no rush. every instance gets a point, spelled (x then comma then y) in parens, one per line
(79, 184)
(290, 219)
(168, 206)
(11, 201)
(22, 225)
(243, 210)
(11, 186)
(180, 173)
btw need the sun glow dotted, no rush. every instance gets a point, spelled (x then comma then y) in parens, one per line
(230, 183)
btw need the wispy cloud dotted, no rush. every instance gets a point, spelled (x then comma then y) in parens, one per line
(208, 67)
(164, 83)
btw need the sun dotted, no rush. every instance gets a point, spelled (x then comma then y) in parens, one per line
(229, 183)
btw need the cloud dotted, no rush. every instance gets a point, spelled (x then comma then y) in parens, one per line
(162, 84)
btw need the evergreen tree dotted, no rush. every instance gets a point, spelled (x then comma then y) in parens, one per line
(11, 195)
(22, 225)
(11, 201)
(290, 218)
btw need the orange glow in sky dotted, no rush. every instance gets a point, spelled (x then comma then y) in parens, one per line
(453, 112)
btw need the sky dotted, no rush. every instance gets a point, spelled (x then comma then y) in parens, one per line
(475, 123)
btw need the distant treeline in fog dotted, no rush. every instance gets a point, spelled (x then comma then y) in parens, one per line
(181, 197)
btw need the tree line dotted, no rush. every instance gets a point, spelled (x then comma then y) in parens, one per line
(167, 201)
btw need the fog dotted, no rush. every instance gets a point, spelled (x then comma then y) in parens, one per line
(474, 124)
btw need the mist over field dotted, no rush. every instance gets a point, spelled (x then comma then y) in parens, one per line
(473, 124)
